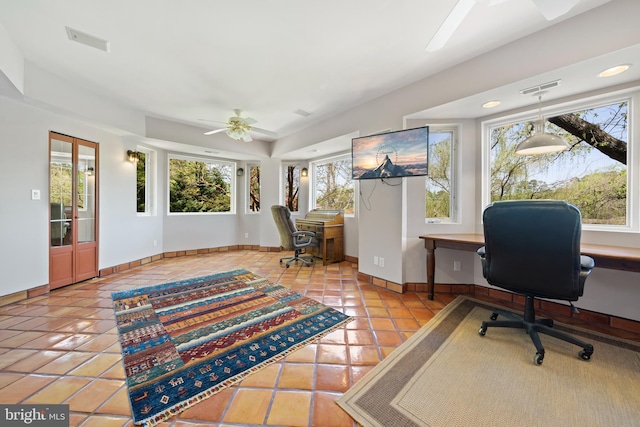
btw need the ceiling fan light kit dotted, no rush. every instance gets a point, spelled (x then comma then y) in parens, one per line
(238, 128)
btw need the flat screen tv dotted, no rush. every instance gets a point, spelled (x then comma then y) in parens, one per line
(391, 155)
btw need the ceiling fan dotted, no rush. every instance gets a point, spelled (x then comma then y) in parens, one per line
(550, 9)
(238, 127)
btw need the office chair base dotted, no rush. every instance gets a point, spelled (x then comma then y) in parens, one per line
(533, 327)
(306, 260)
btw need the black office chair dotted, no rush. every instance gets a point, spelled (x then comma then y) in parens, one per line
(290, 238)
(532, 247)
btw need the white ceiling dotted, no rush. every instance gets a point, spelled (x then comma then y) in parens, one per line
(194, 60)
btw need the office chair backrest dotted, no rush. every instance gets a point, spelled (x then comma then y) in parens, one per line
(285, 225)
(533, 247)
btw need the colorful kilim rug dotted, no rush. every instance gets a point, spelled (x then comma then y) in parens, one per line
(184, 341)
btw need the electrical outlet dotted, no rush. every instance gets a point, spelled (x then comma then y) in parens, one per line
(35, 194)
(155, 243)
(381, 263)
(457, 265)
(375, 260)
(246, 235)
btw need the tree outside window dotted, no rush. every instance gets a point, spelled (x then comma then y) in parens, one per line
(254, 188)
(291, 187)
(438, 184)
(199, 186)
(592, 174)
(141, 182)
(333, 186)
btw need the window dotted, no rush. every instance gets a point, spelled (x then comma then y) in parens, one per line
(200, 186)
(291, 186)
(144, 182)
(440, 199)
(141, 182)
(332, 184)
(592, 174)
(254, 187)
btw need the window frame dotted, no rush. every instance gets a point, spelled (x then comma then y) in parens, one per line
(454, 209)
(313, 181)
(232, 185)
(631, 96)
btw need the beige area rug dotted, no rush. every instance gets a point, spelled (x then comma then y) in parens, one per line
(447, 375)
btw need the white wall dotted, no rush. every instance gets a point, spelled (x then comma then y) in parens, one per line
(24, 165)
(23, 222)
(11, 62)
(380, 222)
(271, 188)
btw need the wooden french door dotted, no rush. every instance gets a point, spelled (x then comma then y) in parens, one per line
(73, 197)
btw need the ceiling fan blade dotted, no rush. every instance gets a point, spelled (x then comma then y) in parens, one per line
(552, 9)
(211, 132)
(248, 121)
(247, 138)
(264, 132)
(450, 24)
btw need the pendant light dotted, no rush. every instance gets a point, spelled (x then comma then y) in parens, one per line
(541, 142)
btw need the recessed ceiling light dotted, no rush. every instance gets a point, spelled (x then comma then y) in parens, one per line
(491, 104)
(614, 70)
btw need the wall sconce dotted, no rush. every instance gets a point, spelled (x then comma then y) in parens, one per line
(305, 172)
(133, 156)
(90, 171)
(240, 172)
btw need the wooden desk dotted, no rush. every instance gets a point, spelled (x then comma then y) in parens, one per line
(605, 256)
(329, 228)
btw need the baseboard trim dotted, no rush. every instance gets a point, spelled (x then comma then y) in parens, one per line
(478, 291)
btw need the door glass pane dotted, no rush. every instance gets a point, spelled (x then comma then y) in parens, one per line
(86, 184)
(60, 192)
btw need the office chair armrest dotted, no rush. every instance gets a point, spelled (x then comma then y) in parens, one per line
(303, 238)
(481, 251)
(483, 260)
(304, 233)
(586, 262)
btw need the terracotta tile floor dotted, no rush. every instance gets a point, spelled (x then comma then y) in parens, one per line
(63, 347)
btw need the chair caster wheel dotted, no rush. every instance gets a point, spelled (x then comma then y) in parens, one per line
(483, 331)
(584, 355)
(494, 316)
(538, 358)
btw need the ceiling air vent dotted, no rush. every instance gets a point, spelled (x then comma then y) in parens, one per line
(302, 112)
(87, 39)
(539, 88)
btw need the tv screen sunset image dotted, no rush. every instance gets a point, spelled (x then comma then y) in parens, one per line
(389, 155)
